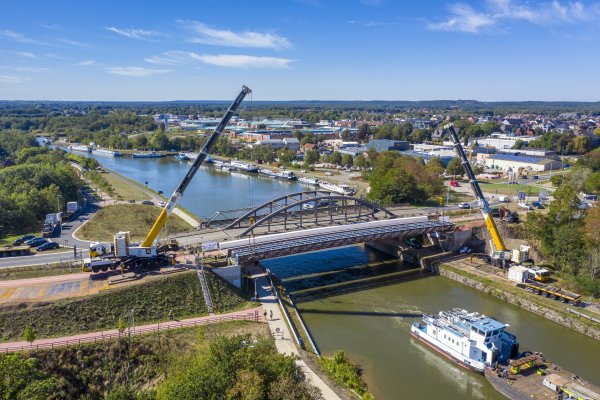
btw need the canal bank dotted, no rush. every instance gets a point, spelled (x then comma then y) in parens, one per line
(373, 327)
(551, 309)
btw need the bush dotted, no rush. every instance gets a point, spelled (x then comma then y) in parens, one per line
(341, 370)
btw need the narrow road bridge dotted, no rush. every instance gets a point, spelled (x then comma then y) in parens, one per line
(289, 243)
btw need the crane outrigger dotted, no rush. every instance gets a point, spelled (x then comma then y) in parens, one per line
(149, 251)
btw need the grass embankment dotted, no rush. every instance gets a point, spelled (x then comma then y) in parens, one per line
(178, 295)
(135, 218)
(36, 271)
(506, 189)
(99, 180)
(498, 288)
(123, 369)
(341, 370)
(124, 190)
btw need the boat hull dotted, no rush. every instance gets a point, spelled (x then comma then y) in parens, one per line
(447, 355)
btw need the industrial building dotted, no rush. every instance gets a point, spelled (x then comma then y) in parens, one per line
(505, 162)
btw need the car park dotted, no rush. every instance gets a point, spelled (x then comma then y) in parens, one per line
(23, 239)
(464, 206)
(48, 246)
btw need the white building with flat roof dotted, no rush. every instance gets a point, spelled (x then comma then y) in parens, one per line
(502, 141)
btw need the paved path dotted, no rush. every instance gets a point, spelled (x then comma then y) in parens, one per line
(283, 339)
(254, 314)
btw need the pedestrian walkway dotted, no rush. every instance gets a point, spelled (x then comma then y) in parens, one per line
(283, 338)
(252, 314)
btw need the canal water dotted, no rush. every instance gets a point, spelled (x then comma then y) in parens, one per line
(211, 189)
(373, 327)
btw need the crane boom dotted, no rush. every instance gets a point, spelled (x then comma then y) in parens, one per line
(152, 237)
(484, 206)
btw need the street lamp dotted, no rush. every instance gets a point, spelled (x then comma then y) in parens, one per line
(58, 197)
(133, 319)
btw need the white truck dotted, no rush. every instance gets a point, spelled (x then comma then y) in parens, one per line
(72, 207)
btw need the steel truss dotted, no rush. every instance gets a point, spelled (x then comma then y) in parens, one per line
(288, 211)
(255, 252)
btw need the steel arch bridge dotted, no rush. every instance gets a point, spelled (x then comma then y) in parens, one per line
(309, 209)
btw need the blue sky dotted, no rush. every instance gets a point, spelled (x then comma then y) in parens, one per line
(489, 50)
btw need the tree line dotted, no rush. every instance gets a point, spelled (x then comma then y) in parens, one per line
(40, 182)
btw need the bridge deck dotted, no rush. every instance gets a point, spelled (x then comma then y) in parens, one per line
(312, 242)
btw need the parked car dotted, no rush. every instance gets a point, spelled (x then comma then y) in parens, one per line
(413, 243)
(454, 184)
(148, 202)
(536, 177)
(537, 204)
(161, 204)
(36, 242)
(592, 197)
(48, 246)
(23, 239)
(464, 206)
(328, 173)
(525, 206)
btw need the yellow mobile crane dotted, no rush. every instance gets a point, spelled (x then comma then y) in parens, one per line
(499, 254)
(148, 252)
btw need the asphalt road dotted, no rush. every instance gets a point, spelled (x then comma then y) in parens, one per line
(65, 239)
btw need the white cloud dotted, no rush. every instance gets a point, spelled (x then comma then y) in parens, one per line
(31, 69)
(137, 72)
(13, 79)
(464, 18)
(17, 37)
(139, 34)
(26, 54)
(73, 43)
(87, 63)
(243, 61)
(222, 37)
(223, 60)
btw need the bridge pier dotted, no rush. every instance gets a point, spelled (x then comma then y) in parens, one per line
(394, 248)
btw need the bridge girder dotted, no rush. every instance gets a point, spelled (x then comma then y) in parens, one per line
(252, 253)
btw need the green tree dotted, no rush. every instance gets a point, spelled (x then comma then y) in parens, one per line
(455, 167)
(592, 184)
(564, 206)
(21, 378)
(311, 157)
(519, 144)
(28, 334)
(364, 131)
(361, 162)
(581, 144)
(347, 160)
(336, 158)
(435, 165)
